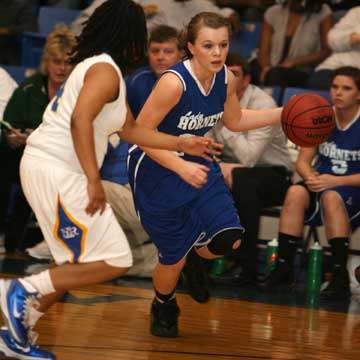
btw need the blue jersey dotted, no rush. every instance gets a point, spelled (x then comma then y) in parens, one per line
(114, 166)
(139, 86)
(340, 154)
(175, 214)
(195, 114)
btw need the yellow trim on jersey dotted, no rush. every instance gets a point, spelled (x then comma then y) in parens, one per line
(81, 226)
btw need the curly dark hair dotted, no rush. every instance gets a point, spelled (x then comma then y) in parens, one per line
(118, 28)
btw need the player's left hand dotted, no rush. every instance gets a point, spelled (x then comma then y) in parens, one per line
(322, 182)
(97, 197)
(200, 146)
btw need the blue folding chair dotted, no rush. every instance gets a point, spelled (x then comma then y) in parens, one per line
(33, 42)
(274, 91)
(290, 91)
(51, 16)
(247, 40)
(18, 73)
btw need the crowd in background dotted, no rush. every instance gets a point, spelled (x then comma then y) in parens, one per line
(302, 44)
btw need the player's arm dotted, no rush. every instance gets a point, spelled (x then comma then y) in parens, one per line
(143, 135)
(237, 119)
(347, 180)
(162, 99)
(304, 162)
(101, 86)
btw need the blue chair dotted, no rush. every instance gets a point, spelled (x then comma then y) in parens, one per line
(290, 91)
(273, 91)
(33, 42)
(247, 40)
(18, 73)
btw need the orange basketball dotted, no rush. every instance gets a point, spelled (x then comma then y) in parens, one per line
(307, 119)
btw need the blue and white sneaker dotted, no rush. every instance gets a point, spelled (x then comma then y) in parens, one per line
(9, 348)
(15, 302)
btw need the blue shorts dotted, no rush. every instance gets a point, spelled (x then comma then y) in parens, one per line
(174, 214)
(351, 198)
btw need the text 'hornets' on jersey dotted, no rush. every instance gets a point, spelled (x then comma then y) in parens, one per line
(340, 154)
(196, 112)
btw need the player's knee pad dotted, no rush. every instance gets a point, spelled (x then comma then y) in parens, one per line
(223, 242)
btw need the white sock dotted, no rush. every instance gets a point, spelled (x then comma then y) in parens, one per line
(34, 316)
(40, 282)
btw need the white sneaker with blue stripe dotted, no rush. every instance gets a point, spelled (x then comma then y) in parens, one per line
(9, 348)
(15, 303)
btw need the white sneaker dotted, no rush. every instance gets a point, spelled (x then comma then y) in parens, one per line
(40, 251)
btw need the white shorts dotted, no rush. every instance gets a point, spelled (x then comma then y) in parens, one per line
(59, 197)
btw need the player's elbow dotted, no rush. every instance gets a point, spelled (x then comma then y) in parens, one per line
(75, 124)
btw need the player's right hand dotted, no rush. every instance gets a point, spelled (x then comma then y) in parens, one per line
(204, 147)
(194, 174)
(97, 197)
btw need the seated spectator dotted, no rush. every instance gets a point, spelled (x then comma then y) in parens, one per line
(257, 167)
(175, 13)
(248, 10)
(163, 51)
(330, 192)
(78, 24)
(16, 16)
(293, 42)
(7, 87)
(24, 112)
(344, 41)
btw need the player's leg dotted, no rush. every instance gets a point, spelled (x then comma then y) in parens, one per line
(291, 226)
(164, 309)
(337, 229)
(19, 296)
(174, 231)
(95, 246)
(24, 301)
(219, 220)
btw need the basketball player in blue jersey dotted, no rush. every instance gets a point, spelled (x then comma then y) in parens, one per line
(60, 173)
(182, 200)
(163, 52)
(330, 192)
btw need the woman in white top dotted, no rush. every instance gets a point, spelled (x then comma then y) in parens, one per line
(60, 171)
(293, 41)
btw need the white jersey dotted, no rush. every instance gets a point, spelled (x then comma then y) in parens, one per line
(52, 140)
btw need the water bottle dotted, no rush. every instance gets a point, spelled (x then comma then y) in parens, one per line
(314, 272)
(219, 266)
(271, 255)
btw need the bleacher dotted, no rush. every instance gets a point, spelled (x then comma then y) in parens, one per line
(33, 42)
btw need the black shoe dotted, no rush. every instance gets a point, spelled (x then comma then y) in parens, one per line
(237, 275)
(164, 318)
(281, 275)
(339, 286)
(195, 278)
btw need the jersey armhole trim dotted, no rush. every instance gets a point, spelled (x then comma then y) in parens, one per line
(178, 75)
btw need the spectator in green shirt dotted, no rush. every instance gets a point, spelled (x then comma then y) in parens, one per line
(24, 112)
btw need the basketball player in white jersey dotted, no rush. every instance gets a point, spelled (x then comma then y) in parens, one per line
(60, 173)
